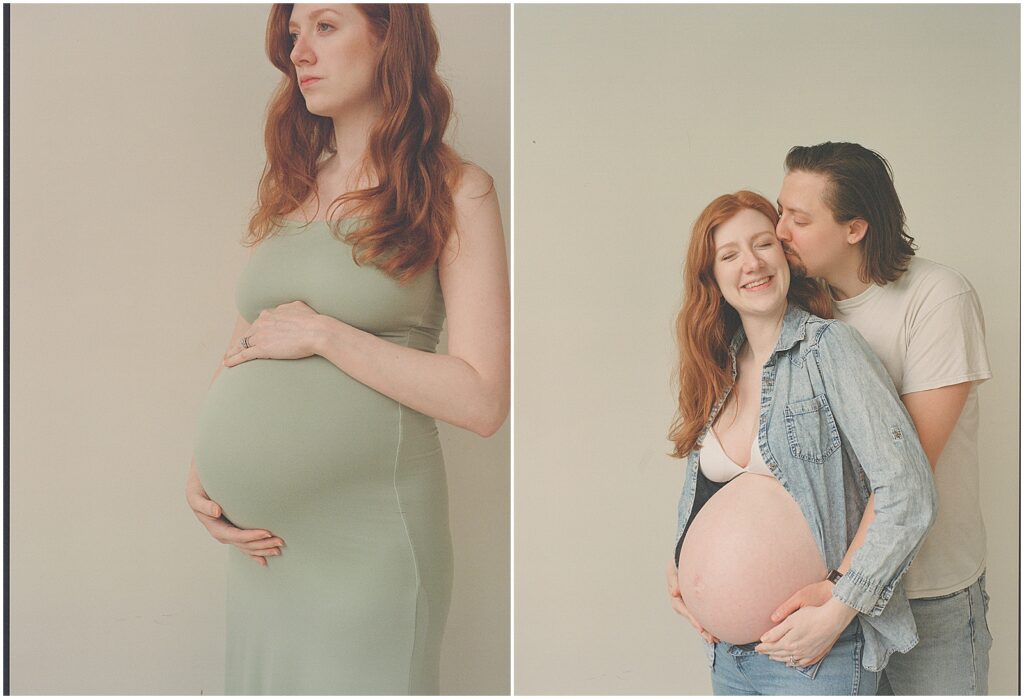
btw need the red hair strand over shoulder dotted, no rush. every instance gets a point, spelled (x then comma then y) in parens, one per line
(706, 323)
(408, 210)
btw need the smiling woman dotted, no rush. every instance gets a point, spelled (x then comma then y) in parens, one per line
(320, 432)
(780, 464)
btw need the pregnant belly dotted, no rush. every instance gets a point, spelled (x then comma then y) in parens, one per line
(745, 553)
(279, 437)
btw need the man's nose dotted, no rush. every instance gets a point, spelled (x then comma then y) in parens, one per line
(782, 230)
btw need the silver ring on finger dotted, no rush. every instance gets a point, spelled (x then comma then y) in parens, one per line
(792, 661)
(245, 342)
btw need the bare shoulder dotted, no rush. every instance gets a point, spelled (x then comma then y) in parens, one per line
(473, 186)
(478, 228)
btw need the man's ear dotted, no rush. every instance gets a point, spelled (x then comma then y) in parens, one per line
(858, 228)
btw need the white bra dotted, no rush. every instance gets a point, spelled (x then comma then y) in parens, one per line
(717, 465)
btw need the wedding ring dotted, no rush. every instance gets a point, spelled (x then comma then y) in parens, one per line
(792, 661)
(245, 342)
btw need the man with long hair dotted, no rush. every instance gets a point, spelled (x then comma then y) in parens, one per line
(842, 221)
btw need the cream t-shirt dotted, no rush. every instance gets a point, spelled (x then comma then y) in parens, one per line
(928, 330)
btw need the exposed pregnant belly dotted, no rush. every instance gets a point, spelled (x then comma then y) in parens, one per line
(277, 438)
(747, 550)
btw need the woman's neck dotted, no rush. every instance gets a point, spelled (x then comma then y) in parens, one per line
(352, 138)
(762, 334)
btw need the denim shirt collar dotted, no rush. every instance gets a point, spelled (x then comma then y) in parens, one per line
(793, 330)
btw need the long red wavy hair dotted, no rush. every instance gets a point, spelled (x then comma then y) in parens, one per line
(706, 323)
(408, 212)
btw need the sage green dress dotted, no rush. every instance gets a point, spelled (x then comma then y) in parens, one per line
(353, 482)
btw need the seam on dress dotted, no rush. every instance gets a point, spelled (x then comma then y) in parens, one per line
(401, 510)
(412, 549)
(407, 341)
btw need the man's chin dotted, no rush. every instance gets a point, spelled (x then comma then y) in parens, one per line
(796, 265)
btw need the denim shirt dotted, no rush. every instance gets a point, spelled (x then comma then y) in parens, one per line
(833, 430)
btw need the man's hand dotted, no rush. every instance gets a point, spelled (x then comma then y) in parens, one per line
(808, 634)
(813, 595)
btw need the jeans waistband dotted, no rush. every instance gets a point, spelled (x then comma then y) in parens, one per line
(748, 648)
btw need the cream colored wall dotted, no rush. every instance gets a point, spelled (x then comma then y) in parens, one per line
(628, 121)
(136, 147)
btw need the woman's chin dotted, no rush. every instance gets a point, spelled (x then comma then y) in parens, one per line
(759, 307)
(316, 109)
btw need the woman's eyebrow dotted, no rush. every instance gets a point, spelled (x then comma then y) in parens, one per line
(314, 16)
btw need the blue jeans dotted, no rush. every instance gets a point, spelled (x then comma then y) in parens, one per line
(742, 670)
(952, 656)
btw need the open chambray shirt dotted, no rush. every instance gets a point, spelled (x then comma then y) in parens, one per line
(832, 430)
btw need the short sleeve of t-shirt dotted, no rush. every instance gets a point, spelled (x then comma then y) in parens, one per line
(946, 346)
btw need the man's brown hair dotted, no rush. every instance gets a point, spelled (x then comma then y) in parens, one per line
(860, 185)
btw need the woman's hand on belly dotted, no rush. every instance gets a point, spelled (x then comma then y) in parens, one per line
(257, 544)
(676, 599)
(289, 331)
(808, 634)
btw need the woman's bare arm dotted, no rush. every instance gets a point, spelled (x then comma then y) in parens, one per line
(469, 386)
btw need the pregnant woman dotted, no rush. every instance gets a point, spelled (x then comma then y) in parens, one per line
(790, 428)
(317, 454)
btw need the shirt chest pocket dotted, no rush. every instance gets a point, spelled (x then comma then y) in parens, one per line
(811, 430)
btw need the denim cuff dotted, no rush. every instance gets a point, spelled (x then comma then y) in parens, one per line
(862, 593)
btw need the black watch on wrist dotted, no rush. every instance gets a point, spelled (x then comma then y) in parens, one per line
(833, 576)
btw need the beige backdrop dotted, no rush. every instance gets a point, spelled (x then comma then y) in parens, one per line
(628, 121)
(136, 147)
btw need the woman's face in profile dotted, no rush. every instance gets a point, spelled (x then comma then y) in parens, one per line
(750, 267)
(335, 54)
